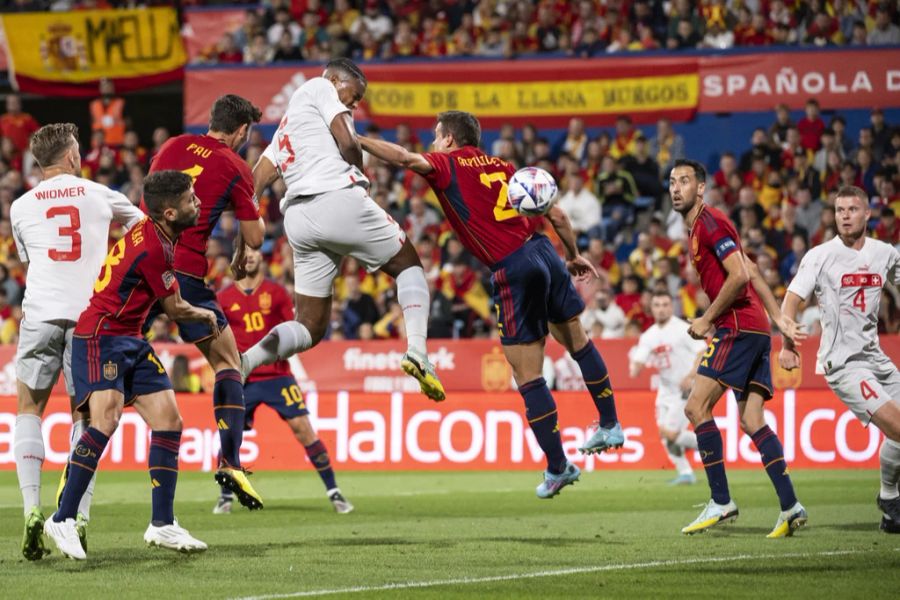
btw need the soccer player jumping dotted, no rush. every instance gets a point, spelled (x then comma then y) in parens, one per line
(847, 275)
(738, 355)
(533, 292)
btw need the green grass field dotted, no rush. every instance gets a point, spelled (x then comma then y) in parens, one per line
(469, 534)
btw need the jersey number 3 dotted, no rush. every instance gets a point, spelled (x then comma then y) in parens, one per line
(69, 231)
(502, 210)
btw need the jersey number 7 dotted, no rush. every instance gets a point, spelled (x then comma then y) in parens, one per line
(502, 210)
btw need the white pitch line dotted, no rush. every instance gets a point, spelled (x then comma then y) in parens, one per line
(570, 571)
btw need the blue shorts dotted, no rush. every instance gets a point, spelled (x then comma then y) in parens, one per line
(739, 360)
(280, 393)
(195, 291)
(532, 287)
(115, 362)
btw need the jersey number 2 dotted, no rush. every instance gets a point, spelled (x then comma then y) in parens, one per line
(502, 210)
(70, 231)
(859, 300)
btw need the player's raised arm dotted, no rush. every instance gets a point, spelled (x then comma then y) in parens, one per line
(264, 173)
(577, 265)
(396, 155)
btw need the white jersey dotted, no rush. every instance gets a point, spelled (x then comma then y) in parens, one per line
(671, 351)
(61, 228)
(847, 284)
(303, 149)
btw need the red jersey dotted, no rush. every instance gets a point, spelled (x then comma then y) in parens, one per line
(137, 273)
(713, 239)
(471, 187)
(252, 314)
(222, 181)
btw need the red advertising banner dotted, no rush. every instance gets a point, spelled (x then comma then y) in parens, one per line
(467, 431)
(837, 79)
(463, 365)
(549, 92)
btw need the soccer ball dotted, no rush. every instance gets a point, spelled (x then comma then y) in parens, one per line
(531, 191)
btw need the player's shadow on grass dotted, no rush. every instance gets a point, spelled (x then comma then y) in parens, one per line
(739, 530)
(106, 560)
(868, 527)
(555, 542)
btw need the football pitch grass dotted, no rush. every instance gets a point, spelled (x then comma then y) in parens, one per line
(468, 534)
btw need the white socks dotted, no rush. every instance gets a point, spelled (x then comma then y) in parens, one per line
(412, 293)
(28, 449)
(687, 439)
(889, 458)
(285, 340)
(84, 506)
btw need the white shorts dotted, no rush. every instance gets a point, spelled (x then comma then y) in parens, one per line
(325, 228)
(45, 349)
(670, 412)
(866, 388)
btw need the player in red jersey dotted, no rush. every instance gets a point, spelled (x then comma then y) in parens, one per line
(533, 292)
(253, 306)
(222, 181)
(738, 355)
(113, 366)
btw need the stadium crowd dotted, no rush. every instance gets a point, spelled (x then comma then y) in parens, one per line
(316, 30)
(613, 183)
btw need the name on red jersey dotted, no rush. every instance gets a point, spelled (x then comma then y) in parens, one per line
(861, 280)
(482, 160)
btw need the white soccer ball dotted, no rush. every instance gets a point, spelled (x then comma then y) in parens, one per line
(531, 191)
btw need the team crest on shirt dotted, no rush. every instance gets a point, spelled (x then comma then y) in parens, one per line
(495, 372)
(265, 302)
(168, 279)
(110, 371)
(234, 307)
(695, 248)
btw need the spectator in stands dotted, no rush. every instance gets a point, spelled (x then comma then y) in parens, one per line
(582, 206)
(616, 190)
(607, 313)
(645, 171)
(686, 37)
(828, 144)
(575, 141)
(624, 141)
(285, 50)
(839, 126)
(421, 220)
(373, 21)
(108, 114)
(790, 263)
(228, 51)
(760, 147)
(881, 134)
(358, 309)
(284, 22)
(823, 31)
(888, 228)
(258, 52)
(778, 130)
(727, 167)
(718, 36)
(496, 45)
(666, 146)
(16, 125)
(884, 32)
(859, 35)
(811, 126)
(643, 258)
(807, 176)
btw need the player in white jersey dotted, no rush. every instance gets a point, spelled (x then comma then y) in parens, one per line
(847, 275)
(667, 346)
(60, 228)
(328, 214)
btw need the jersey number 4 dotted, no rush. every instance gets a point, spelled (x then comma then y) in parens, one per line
(859, 299)
(502, 210)
(69, 231)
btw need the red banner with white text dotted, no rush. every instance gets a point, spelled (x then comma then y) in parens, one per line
(549, 92)
(463, 365)
(467, 431)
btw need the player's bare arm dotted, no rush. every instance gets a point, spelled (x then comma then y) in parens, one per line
(345, 136)
(789, 328)
(580, 267)
(396, 155)
(178, 309)
(735, 281)
(789, 358)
